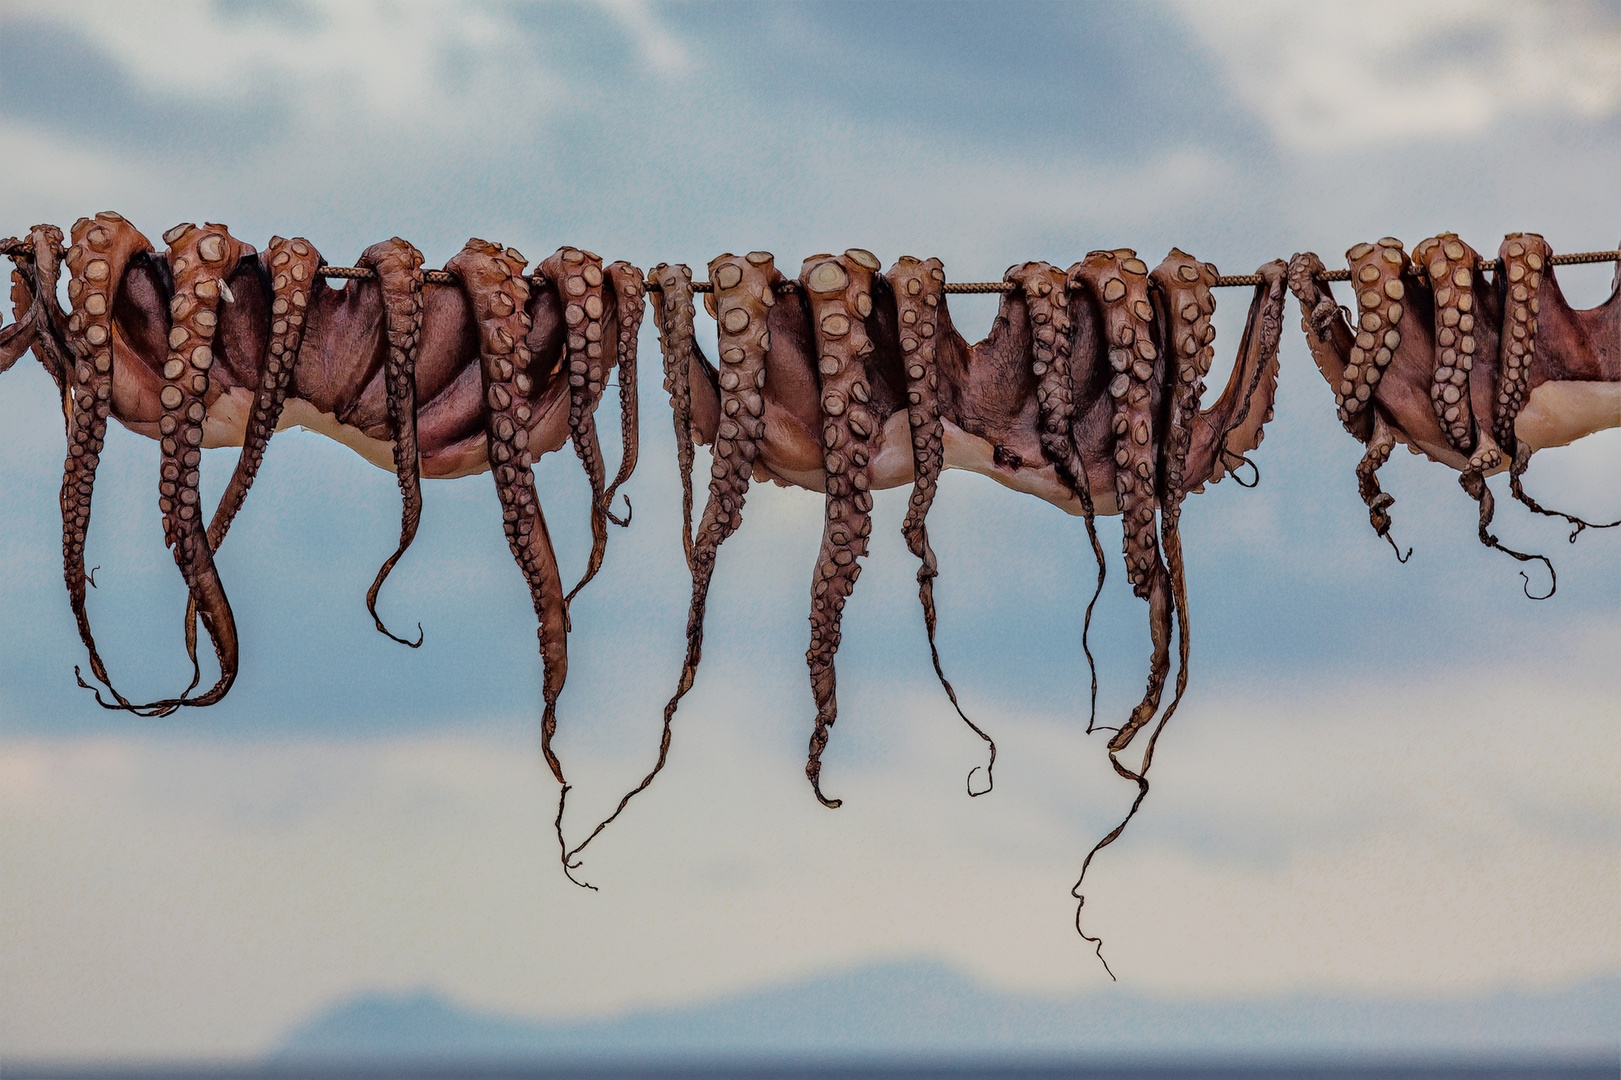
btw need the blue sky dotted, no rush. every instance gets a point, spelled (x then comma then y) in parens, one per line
(1361, 738)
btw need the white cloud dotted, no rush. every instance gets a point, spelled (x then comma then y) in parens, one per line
(388, 59)
(177, 897)
(1336, 75)
(663, 50)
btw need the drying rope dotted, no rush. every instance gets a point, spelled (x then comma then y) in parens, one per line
(442, 277)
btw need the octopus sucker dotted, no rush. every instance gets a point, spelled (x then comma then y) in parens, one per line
(398, 267)
(1495, 350)
(918, 288)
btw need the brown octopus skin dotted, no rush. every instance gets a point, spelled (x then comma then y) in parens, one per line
(843, 385)
(1474, 371)
(217, 344)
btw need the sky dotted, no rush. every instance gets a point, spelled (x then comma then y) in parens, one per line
(1384, 779)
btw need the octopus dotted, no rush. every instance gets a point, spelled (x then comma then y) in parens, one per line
(1475, 364)
(847, 380)
(480, 367)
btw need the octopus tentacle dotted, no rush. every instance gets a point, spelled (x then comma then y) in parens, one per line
(1119, 282)
(1238, 417)
(741, 299)
(294, 265)
(45, 314)
(673, 314)
(919, 287)
(399, 271)
(1473, 481)
(1183, 284)
(579, 278)
(494, 282)
(1370, 346)
(1376, 271)
(1451, 266)
(628, 290)
(1525, 257)
(101, 250)
(18, 337)
(1241, 426)
(200, 260)
(838, 293)
(1046, 295)
(15, 340)
(1380, 445)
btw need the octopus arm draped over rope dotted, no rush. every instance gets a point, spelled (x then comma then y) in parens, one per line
(846, 380)
(1476, 364)
(475, 368)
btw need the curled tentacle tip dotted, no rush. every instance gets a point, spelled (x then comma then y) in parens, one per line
(630, 512)
(90, 578)
(1553, 586)
(990, 782)
(1393, 547)
(407, 642)
(831, 804)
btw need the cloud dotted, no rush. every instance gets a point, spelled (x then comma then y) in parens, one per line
(663, 50)
(189, 897)
(392, 60)
(1342, 75)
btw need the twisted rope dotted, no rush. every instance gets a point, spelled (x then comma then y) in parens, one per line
(442, 277)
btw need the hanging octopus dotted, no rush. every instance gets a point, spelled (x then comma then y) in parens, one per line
(847, 380)
(475, 368)
(1473, 371)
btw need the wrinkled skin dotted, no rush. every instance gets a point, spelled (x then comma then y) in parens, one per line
(1474, 367)
(215, 344)
(1086, 394)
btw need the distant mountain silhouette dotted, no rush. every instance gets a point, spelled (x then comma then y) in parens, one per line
(926, 1009)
